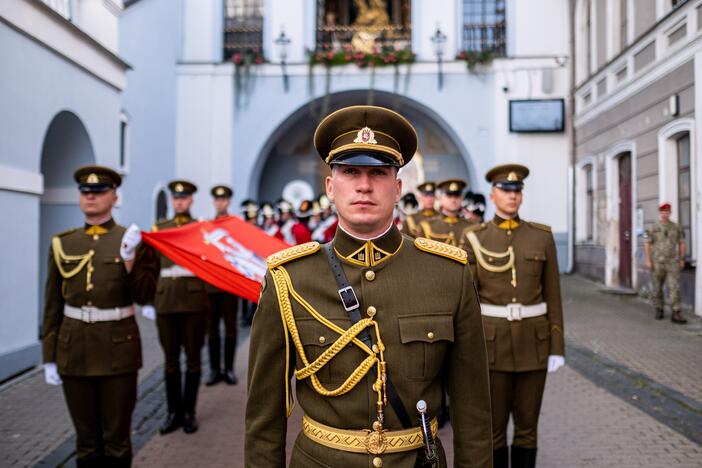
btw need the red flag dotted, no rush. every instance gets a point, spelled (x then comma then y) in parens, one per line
(226, 252)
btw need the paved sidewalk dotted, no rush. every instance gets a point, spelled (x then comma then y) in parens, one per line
(35, 420)
(582, 424)
(608, 407)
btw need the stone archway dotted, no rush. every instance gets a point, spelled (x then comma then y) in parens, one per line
(289, 153)
(66, 146)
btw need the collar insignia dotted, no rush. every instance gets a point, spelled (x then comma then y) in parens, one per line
(365, 135)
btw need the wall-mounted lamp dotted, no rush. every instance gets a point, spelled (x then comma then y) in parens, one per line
(283, 43)
(438, 40)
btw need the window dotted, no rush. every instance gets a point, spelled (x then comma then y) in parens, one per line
(484, 26)
(589, 203)
(123, 142)
(682, 144)
(621, 74)
(587, 99)
(243, 28)
(161, 205)
(623, 24)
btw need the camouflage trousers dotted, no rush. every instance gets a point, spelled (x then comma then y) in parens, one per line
(670, 273)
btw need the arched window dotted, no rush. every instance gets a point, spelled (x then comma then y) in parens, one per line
(682, 146)
(161, 205)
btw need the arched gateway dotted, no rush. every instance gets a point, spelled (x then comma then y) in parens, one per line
(289, 153)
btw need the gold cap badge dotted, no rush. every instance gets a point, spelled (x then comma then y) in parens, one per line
(365, 135)
(220, 191)
(92, 179)
(179, 187)
(453, 187)
(512, 177)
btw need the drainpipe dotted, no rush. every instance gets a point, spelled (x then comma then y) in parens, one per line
(571, 139)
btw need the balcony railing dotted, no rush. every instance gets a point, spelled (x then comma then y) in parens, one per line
(392, 37)
(485, 37)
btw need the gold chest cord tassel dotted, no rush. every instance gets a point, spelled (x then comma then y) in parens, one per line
(480, 251)
(285, 290)
(83, 260)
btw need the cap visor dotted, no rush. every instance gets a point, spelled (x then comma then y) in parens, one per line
(364, 159)
(98, 188)
(510, 186)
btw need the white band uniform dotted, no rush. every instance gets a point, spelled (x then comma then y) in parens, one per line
(176, 271)
(513, 312)
(90, 314)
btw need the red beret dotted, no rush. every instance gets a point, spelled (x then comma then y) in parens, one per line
(664, 207)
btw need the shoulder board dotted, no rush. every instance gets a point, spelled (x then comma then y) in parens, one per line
(67, 232)
(441, 249)
(292, 253)
(543, 227)
(476, 227)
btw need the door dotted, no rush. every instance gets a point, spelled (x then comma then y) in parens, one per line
(625, 237)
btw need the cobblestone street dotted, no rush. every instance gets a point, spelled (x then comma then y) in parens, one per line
(629, 396)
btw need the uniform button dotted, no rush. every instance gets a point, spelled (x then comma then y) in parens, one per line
(375, 348)
(322, 340)
(514, 299)
(430, 335)
(490, 259)
(370, 275)
(371, 311)
(89, 303)
(377, 462)
(509, 233)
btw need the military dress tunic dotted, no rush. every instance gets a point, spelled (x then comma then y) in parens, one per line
(519, 345)
(421, 295)
(412, 224)
(91, 349)
(446, 229)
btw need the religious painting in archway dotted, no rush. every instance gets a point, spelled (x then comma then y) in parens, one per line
(365, 26)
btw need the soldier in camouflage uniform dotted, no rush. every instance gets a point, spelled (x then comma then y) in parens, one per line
(665, 257)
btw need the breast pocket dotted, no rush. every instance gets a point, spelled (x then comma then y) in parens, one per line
(425, 339)
(315, 339)
(534, 261)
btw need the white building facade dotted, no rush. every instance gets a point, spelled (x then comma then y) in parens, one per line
(60, 92)
(638, 70)
(190, 111)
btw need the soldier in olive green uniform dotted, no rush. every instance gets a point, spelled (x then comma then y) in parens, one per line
(90, 338)
(415, 313)
(448, 226)
(665, 257)
(182, 306)
(427, 198)
(515, 268)
(223, 306)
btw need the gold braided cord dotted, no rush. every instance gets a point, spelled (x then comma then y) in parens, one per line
(284, 289)
(428, 233)
(60, 255)
(289, 401)
(480, 251)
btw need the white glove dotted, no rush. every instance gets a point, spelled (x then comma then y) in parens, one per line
(130, 241)
(555, 362)
(51, 375)
(148, 312)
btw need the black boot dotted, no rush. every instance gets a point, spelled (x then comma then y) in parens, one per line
(117, 462)
(229, 349)
(523, 457)
(500, 457)
(659, 313)
(174, 418)
(677, 317)
(215, 368)
(192, 383)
